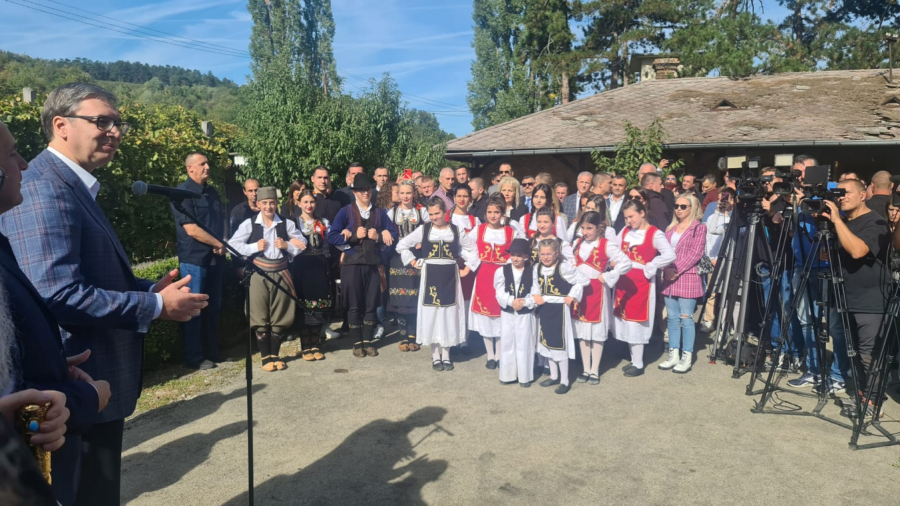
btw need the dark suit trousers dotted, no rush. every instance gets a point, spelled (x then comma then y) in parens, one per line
(101, 465)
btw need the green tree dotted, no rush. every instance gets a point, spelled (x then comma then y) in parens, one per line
(640, 146)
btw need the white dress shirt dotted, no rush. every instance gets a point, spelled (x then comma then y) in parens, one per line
(614, 207)
(239, 240)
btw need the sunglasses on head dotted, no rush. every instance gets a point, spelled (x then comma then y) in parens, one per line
(682, 206)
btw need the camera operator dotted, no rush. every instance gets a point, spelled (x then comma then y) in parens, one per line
(863, 242)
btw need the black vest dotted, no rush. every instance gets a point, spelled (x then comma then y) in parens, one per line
(439, 250)
(555, 284)
(524, 286)
(257, 232)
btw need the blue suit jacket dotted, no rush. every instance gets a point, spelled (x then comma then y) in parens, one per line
(68, 249)
(41, 364)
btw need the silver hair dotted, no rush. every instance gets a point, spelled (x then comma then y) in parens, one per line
(586, 173)
(7, 344)
(65, 100)
(647, 164)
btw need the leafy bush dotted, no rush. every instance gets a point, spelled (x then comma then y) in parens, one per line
(640, 146)
(164, 342)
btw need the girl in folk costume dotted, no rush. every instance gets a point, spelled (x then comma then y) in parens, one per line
(512, 287)
(681, 285)
(647, 248)
(545, 220)
(403, 289)
(442, 316)
(511, 191)
(594, 203)
(542, 197)
(594, 254)
(492, 240)
(272, 242)
(459, 216)
(312, 274)
(558, 285)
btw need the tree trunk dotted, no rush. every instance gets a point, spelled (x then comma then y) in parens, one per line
(565, 87)
(625, 64)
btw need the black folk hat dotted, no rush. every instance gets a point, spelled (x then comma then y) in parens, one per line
(362, 181)
(520, 247)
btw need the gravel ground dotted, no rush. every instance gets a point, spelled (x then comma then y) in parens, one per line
(389, 430)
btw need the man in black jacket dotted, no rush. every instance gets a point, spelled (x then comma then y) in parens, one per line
(660, 216)
(327, 205)
(666, 194)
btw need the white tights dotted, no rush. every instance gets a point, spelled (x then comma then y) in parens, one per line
(438, 353)
(591, 352)
(491, 344)
(637, 355)
(560, 370)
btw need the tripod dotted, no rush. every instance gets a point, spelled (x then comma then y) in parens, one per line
(878, 380)
(833, 301)
(249, 269)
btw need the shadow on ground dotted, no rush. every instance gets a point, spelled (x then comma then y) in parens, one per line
(377, 464)
(171, 417)
(168, 463)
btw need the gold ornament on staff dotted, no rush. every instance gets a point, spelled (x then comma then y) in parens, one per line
(28, 422)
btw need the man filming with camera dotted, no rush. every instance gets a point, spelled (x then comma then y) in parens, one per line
(863, 240)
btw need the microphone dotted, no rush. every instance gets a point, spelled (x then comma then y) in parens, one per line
(141, 188)
(895, 179)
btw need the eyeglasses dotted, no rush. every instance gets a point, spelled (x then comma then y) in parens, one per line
(682, 207)
(505, 172)
(105, 123)
(636, 197)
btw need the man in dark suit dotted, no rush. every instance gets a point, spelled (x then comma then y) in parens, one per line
(69, 251)
(668, 197)
(39, 359)
(573, 202)
(660, 217)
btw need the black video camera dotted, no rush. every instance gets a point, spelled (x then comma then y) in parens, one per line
(748, 180)
(811, 206)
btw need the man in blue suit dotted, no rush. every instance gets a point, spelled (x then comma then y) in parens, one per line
(70, 253)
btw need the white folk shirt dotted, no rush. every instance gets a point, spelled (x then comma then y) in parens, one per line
(239, 240)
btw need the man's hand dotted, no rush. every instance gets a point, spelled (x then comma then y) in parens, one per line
(103, 393)
(261, 245)
(539, 300)
(361, 233)
(663, 163)
(372, 234)
(281, 244)
(387, 238)
(300, 245)
(767, 204)
(164, 282)
(834, 214)
(51, 433)
(219, 251)
(180, 305)
(346, 234)
(518, 304)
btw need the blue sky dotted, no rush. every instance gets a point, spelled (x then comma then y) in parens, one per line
(424, 44)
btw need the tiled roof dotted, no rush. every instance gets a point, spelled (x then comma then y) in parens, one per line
(852, 105)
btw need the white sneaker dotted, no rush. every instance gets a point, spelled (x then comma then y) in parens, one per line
(672, 361)
(685, 364)
(379, 333)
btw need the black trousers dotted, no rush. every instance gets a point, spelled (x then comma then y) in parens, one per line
(361, 293)
(101, 465)
(864, 328)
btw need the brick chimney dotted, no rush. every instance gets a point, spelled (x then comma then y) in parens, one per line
(666, 68)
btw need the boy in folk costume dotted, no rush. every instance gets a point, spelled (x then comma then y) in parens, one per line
(512, 286)
(360, 230)
(442, 313)
(492, 240)
(272, 242)
(594, 252)
(558, 286)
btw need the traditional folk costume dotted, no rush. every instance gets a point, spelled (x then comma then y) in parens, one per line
(635, 302)
(315, 282)
(442, 319)
(403, 280)
(466, 224)
(360, 275)
(518, 334)
(484, 311)
(528, 224)
(556, 339)
(573, 233)
(271, 310)
(592, 258)
(565, 250)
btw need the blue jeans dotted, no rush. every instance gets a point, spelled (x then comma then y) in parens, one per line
(784, 288)
(802, 324)
(201, 337)
(840, 366)
(680, 316)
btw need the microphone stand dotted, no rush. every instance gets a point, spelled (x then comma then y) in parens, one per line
(249, 269)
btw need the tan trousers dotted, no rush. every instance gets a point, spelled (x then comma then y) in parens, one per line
(709, 312)
(269, 306)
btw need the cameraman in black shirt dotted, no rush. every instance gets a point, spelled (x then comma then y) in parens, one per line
(863, 240)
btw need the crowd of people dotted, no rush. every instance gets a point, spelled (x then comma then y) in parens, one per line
(537, 274)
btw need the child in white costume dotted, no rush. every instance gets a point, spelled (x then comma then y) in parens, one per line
(512, 284)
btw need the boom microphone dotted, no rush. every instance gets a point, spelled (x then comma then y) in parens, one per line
(141, 188)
